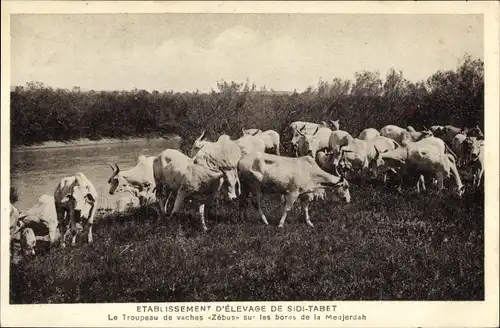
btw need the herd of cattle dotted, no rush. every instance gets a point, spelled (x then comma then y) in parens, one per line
(324, 156)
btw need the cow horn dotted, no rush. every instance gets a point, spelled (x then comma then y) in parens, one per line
(111, 166)
(255, 133)
(243, 131)
(317, 129)
(202, 136)
(117, 168)
(377, 152)
(302, 128)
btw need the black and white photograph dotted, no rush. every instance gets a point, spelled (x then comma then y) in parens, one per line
(197, 157)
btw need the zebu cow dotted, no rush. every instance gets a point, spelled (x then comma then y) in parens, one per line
(138, 181)
(308, 128)
(369, 133)
(75, 199)
(214, 167)
(249, 144)
(457, 145)
(270, 138)
(21, 234)
(199, 143)
(309, 144)
(401, 135)
(426, 156)
(294, 177)
(474, 155)
(338, 139)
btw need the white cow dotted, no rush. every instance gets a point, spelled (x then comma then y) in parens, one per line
(337, 140)
(42, 218)
(401, 135)
(138, 181)
(309, 144)
(457, 145)
(270, 138)
(474, 154)
(21, 234)
(249, 144)
(213, 168)
(309, 128)
(426, 156)
(294, 177)
(199, 143)
(369, 133)
(75, 199)
(360, 155)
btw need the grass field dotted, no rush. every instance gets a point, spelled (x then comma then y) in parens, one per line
(381, 246)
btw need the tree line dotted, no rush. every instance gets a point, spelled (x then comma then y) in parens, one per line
(40, 113)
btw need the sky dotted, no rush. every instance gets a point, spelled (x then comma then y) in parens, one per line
(186, 52)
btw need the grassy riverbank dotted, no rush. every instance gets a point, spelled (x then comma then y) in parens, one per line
(382, 246)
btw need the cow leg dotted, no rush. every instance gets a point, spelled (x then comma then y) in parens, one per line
(60, 226)
(258, 196)
(165, 206)
(290, 200)
(278, 149)
(90, 223)
(202, 216)
(304, 203)
(243, 203)
(178, 202)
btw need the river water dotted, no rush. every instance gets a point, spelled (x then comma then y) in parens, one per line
(37, 171)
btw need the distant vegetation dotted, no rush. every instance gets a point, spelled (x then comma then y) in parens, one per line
(40, 113)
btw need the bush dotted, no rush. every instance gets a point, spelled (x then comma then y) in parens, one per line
(40, 113)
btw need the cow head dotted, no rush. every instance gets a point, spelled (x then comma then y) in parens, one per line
(339, 186)
(385, 160)
(472, 148)
(335, 125)
(117, 183)
(80, 200)
(198, 144)
(251, 132)
(231, 187)
(475, 132)
(308, 144)
(296, 136)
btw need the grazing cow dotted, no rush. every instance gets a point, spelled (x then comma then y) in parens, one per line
(475, 132)
(309, 144)
(294, 177)
(169, 169)
(138, 181)
(20, 233)
(270, 138)
(249, 144)
(360, 154)
(338, 139)
(477, 161)
(308, 128)
(214, 167)
(198, 144)
(401, 135)
(369, 133)
(42, 218)
(449, 132)
(426, 156)
(457, 145)
(75, 199)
